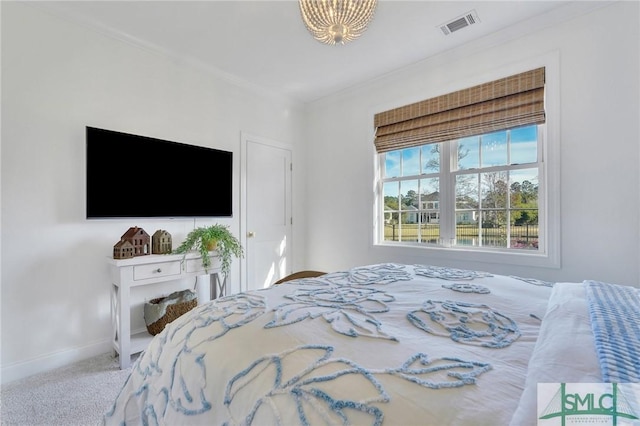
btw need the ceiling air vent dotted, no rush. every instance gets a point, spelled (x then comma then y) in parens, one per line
(469, 18)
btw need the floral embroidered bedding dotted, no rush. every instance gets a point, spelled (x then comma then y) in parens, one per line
(379, 344)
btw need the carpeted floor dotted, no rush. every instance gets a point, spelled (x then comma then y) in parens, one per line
(78, 394)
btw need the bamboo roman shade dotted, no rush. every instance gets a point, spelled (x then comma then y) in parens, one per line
(512, 101)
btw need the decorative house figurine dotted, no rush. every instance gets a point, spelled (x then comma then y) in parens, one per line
(161, 242)
(123, 250)
(139, 239)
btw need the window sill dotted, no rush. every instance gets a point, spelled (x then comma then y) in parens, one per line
(469, 254)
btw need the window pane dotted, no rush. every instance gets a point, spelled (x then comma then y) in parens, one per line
(468, 153)
(494, 228)
(524, 213)
(429, 210)
(494, 149)
(494, 190)
(467, 229)
(524, 188)
(390, 195)
(409, 218)
(524, 229)
(467, 191)
(431, 158)
(430, 193)
(392, 164)
(391, 227)
(430, 230)
(409, 194)
(411, 162)
(524, 145)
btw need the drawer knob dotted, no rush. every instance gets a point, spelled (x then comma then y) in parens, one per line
(158, 270)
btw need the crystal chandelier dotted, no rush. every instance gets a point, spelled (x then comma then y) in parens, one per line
(337, 21)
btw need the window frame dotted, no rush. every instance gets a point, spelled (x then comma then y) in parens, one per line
(447, 174)
(548, 181)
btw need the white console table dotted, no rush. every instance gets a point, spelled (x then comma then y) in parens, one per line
(146, 270)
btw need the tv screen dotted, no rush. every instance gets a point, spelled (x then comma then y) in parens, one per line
(130, 176)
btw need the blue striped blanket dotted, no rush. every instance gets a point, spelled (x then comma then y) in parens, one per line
(615, 319)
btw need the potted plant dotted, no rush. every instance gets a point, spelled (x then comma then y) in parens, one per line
(208, 238)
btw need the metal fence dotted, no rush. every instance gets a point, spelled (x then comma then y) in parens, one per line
(522, 236)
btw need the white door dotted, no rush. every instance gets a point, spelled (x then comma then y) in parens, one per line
(267, 212)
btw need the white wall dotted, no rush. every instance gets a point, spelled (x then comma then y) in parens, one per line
(57, 78)
(598, 60)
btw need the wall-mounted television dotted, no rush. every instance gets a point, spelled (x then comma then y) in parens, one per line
(131, 176)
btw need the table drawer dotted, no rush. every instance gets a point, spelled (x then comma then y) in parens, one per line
(195, 265)
(156, 270)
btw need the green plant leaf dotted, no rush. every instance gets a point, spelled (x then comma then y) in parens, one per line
(227, 245)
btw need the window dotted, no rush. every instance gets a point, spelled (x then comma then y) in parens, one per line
(466, 171)
(477, 191)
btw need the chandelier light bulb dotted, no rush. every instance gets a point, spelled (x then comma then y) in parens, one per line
(337, 21)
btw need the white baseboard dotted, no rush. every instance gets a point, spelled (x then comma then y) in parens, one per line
(23, 369)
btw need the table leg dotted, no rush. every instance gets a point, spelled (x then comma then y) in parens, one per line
(124, 327)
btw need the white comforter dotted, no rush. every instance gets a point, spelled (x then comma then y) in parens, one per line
(566, 348)
(381, 344)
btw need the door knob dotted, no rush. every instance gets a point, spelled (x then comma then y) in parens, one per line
(251, 234)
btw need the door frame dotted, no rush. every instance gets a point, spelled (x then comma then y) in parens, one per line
(245, 139)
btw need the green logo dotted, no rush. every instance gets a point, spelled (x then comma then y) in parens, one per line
(589, 402)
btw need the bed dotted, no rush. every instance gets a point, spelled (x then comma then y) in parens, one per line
(379, 344)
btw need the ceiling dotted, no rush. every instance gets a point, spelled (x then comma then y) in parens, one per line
(264, 44)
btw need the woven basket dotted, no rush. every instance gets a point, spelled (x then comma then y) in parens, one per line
(173, 311)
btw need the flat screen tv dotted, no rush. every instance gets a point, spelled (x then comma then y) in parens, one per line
(130, 176)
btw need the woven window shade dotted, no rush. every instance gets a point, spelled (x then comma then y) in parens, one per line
(512, 101)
